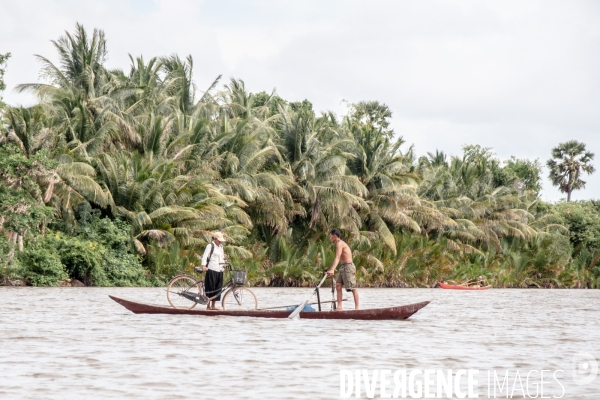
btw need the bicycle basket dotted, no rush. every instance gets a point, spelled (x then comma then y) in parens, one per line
(239, 276)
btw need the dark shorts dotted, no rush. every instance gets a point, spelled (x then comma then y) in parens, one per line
(213, 284)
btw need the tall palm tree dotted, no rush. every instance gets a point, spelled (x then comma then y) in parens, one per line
(81, 61)
(568, 163)
(391, 183)
(317, 157)
(76, 96)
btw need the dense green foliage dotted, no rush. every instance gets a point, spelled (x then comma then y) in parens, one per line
(21, 206)
(98, 253)
(138, 169)
(3, 59)
(583, 221)
(40, 264)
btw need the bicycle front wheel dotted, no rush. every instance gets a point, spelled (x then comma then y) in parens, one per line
(239, 298)
(182, 291)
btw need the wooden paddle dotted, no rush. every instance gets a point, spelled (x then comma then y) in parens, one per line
(301, 306)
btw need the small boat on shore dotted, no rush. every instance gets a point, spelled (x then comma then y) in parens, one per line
(460, 287)
(399, 312)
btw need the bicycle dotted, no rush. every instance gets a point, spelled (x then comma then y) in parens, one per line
(184, 291)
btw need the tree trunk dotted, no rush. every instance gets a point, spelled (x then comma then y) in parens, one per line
(568, 196)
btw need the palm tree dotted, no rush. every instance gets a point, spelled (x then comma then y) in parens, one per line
(81, 62)
(391, 183)
(143, 145)
(72, 181)
(26, 128)
(76, 97)
(569, 161)
(163, 205)
(315, 154)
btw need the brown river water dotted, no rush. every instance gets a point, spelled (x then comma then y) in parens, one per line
(76, 343)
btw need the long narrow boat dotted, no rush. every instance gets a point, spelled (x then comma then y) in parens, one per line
(400, 312)
(459, 287)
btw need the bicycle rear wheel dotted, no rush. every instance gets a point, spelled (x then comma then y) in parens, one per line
(239, 298)
(182, 290)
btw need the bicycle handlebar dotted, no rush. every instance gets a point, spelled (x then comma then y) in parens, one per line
(228, 266)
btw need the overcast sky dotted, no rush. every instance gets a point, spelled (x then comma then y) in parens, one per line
(517, 76)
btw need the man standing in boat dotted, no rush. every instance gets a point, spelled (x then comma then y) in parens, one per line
(213, 260)
(346, 277)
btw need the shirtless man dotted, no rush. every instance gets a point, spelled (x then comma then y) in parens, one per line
(346, 278)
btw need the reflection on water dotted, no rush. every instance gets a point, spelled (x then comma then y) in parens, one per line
(74, 343)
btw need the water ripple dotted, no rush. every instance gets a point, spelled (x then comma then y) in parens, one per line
(74, 343)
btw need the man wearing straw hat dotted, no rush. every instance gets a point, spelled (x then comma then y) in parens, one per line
(213, 260)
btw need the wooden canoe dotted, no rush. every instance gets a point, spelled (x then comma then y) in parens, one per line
(400, 312)
(459, 287)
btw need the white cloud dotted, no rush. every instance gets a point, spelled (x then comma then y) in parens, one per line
(516, 76)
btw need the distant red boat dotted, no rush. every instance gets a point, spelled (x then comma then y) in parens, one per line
(460, 287)
(400, 312)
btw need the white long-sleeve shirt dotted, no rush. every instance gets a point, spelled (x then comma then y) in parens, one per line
(217, 258)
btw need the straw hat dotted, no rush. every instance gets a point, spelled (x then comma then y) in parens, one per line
(218, 236)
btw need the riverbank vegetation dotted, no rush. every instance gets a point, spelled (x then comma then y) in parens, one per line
(118, 177)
